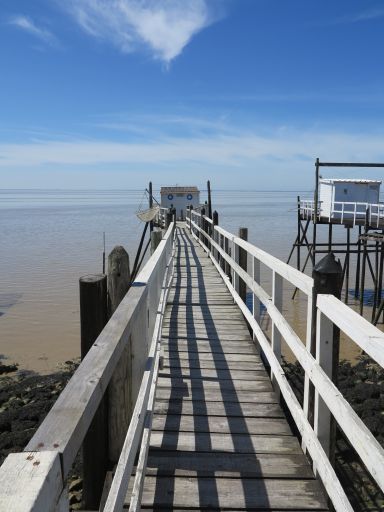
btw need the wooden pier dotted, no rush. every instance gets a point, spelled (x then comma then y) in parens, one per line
(219, 437)
(207, 430)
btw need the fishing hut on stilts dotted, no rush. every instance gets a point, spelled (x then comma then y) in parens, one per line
(353, 204)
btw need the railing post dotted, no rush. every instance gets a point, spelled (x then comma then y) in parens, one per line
(235, 275)
(255, 300)
(215, 235)
(277, 299)
(93, 317)
(119, 389)
(243, 261)
(327, 278)
(191, 219)
(227, 250)
(323, 424)
(202, 225)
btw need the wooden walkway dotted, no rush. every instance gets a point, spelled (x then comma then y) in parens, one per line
(220, 439)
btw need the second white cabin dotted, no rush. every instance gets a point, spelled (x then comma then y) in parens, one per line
(342, 198)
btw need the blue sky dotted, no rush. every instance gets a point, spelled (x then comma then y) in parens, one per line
(112, 93)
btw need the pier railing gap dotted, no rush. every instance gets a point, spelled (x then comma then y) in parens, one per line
(319, 362)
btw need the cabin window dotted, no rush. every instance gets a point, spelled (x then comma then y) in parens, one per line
(345, 191)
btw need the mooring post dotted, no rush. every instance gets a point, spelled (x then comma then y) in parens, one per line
(150, 203)
(209, 199)
(156, 237)
(243, 234)
(298, 264)
(168, 219)
(325, 346)
(93, 318)
(120, 386)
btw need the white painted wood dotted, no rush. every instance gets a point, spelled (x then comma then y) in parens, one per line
(235, 276)
(325, 470)
(362, 439)
(277, 299)
(366, 335)
(143, 455)
(119, 486)
(31, 482)
(307, 382)
(297, 278)
(324, 352)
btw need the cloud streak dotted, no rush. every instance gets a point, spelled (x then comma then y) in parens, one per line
(367, 15)
(284, 148)
(164, 27)
(28, 25)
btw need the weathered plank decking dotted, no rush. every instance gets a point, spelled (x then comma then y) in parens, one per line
(219, 437)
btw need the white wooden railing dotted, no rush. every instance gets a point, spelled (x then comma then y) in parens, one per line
(355, 212)
(34, 480)
(223, 249)
(161, 217)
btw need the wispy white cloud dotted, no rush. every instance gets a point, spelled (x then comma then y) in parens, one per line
(28, 25)
(366, 15)
(285, 150)
(163, 26)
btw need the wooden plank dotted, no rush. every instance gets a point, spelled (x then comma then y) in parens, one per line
(213, 358)
(221, 424)
(211, 350)
(237, 494)
(192, 386)
(238, 443)
(221, 375)
(212, 364)
(237, 465)
(166, 393)
(218, 408)
(30, 482)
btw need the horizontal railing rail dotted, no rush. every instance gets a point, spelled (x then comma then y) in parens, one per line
(223, 249)
(34, 480)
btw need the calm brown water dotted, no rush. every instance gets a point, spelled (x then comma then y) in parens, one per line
(51, 238)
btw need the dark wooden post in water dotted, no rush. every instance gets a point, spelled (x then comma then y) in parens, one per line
(93, 317)
(150, 204)
(243, 234)
(209, 199)
(327, 279)
(119, 389)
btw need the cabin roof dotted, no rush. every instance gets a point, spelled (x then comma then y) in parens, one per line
(178, 190)
(349, 180)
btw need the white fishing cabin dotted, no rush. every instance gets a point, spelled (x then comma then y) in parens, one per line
(180, 198)
(345, 199)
